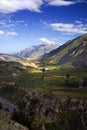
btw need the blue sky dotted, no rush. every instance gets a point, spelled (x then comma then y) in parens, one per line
(24, 23)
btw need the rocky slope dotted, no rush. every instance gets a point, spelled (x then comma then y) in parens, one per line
(47, 108)
(52, 112)
(73, 52)
(39, 111)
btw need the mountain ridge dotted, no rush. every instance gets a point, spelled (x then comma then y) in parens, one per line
(73, 52)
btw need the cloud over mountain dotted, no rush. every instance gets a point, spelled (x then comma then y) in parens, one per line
(46, 41)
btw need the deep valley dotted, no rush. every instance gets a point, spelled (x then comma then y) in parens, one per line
(48, 93)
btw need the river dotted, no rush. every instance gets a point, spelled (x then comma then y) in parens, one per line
(7, 105)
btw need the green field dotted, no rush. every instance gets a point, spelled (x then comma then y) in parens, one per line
(51, 81)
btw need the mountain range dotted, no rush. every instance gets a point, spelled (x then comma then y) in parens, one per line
(72, 52)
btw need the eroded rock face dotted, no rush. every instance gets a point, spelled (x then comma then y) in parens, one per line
(45, 108)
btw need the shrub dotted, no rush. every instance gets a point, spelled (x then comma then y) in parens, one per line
(72, 84)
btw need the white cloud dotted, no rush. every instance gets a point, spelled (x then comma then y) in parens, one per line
(46, 41)
(20, 21)
(8, 33)
(69, 28)
(1, 32)
(9, 6)
(78, 22)
(12, 33)
(60, 2)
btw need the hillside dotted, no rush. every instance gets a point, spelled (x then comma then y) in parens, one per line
(15, 58)
(73, 52)
(9, 57)
(36, 52)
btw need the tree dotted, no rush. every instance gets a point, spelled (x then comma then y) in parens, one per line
(43, 70)
(1, 106)
(67, 80)
(85, 81)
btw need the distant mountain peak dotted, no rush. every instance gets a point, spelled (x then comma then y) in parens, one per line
(37, 51)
